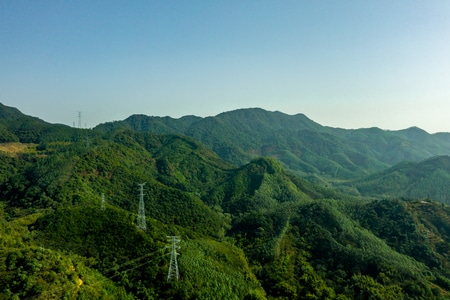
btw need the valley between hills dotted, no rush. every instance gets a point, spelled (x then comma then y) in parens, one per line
(266, 206)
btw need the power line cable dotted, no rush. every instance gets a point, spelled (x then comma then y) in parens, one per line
(114, 268)
(129, 262)
(135, 267)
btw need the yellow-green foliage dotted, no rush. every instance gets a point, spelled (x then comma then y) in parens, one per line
(251, 231)
(210, 269)
(367, 288)
(46, 274)
(32, 271)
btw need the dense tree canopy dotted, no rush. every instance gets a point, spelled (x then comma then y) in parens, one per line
(248, 231)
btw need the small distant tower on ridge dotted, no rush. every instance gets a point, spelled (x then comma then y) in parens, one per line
(79, 119)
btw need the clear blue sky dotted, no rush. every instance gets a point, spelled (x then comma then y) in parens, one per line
(347, 64)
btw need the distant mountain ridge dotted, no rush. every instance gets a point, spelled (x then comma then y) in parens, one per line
(18, 127)
(69, 210)
(425, 179)
(302, 145)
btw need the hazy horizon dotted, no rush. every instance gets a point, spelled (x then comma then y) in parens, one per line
(84, 125)
(346, 64)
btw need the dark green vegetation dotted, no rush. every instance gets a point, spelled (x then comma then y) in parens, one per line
(426, 179)
(249, 231)
(304, 147)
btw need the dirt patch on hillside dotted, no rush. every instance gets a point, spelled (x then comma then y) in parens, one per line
(15, 148)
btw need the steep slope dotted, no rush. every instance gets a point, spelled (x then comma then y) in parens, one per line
(65, 181)
(392, 147)
(262, 185)
(426, 179)
(72, 174)
(253, 231)
(349, 250)
(82, 252)
(18, 127)
(185, 181)
(28, 270)
(302, 145)
(159, 125)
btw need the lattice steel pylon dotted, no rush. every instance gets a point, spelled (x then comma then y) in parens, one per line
(173, 273)
(79, 119)
(141, 223)
(103, 201)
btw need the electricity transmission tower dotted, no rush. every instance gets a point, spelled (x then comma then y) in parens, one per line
(103, 201)
(79, 119)
(141, 224)
(173, 266)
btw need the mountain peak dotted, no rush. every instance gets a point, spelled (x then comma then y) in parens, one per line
(416, 130)
(9, 113)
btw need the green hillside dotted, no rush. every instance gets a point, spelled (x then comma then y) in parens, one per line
(17, 127)
(248, 231)
(303, 146)
(426, 179)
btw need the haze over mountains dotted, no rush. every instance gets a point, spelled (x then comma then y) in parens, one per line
(303, 146)
(318, 153)
(268, 206)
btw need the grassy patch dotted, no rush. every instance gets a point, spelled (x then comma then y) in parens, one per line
(16, 148)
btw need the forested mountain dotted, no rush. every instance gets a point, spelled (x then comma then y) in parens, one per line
(248, 231)
(17, 127)
(426, 179)
(303, 146)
